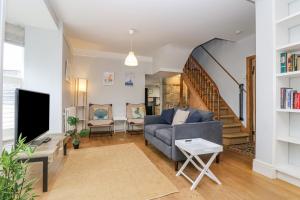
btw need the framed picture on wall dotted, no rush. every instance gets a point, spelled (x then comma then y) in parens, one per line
(129, 78)
(108, 78)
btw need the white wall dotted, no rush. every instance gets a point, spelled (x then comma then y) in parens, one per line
(265, 62)
(170, 58)
(67, 89)
(2, 27)
(232, 55)
(43, 69)
(92, 68)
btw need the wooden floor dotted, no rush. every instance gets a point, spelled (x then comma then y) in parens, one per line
(234, 171)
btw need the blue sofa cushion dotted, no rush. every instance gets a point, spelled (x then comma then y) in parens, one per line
(165, 135)
(151, 128)
(167, 115)
(194, 117)
(206, 116)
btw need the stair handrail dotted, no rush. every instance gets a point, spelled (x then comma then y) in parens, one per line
(240, 85)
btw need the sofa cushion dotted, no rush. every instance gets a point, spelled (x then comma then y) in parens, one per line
(165, 135)
(180, 117)
(206, 116)
(151, 128)
(194, 117)
(167, 115)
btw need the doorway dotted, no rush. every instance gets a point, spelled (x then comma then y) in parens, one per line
(251, 97)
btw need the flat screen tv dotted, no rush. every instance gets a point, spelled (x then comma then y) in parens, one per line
(31, 114)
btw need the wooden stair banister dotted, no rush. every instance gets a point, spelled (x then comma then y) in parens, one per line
(207, 92)
(202, 82)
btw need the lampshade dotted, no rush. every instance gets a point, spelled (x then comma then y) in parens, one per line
(131, 59)
(82, 85)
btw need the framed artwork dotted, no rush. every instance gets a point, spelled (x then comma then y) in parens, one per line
(129, 78)
(67, 71)
(108, 78)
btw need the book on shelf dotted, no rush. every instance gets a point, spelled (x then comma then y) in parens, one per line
(289, 98)
(289, 62)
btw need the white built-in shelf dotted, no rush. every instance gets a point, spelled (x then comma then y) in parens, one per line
(289, 74)
(288, 110)
(289, 47)
(288, 169)
(289, 21)
(289, 139)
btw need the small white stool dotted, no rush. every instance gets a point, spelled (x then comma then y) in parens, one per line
(193, 148)
(123, 120)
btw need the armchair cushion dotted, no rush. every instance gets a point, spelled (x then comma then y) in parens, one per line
(107, 122)
(152, 128)
(167, 115)
(165, 135)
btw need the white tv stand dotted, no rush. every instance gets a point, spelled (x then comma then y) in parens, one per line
(46, 152)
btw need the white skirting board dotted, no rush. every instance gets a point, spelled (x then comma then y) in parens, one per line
(264, 168)
(289, 179)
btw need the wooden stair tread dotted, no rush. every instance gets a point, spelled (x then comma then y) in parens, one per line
(223, 107)
(235, 135)
(226, 116)
(232, 125)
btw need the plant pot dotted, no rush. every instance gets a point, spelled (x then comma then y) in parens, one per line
(76, 146)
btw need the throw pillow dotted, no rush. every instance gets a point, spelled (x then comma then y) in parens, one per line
(100, 114)
(206, 116)
(194, 117)
(138, 112)
(180, 117)
(167, 115)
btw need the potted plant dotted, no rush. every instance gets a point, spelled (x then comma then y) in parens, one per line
(73, 121)
(14, 183)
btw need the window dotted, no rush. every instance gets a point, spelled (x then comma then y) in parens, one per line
(13, 67)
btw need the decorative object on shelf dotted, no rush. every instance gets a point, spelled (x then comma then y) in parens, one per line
(129, 78)
(131, 60)
(67, 71)
(14, 183)
(108, 78)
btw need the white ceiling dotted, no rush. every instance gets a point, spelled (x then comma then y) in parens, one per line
(188, 23)
(30, 13)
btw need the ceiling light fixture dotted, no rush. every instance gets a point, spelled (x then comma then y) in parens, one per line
(131, 60)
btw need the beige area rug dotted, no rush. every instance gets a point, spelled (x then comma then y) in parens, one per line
(110, 172)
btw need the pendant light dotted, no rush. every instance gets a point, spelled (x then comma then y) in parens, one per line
(131, 59)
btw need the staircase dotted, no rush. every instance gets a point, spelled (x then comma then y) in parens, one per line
(202, 84)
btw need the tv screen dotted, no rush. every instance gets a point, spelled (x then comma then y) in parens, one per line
(32, 114)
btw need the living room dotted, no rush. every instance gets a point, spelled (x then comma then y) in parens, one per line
(149, 99)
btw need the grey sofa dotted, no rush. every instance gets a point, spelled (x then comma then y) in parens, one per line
(162, 135)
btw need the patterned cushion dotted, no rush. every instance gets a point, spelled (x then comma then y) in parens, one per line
(129, 110)
(138, 112)
(101, 111)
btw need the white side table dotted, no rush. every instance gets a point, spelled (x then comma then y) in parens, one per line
(122, 120)
(193, 148)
